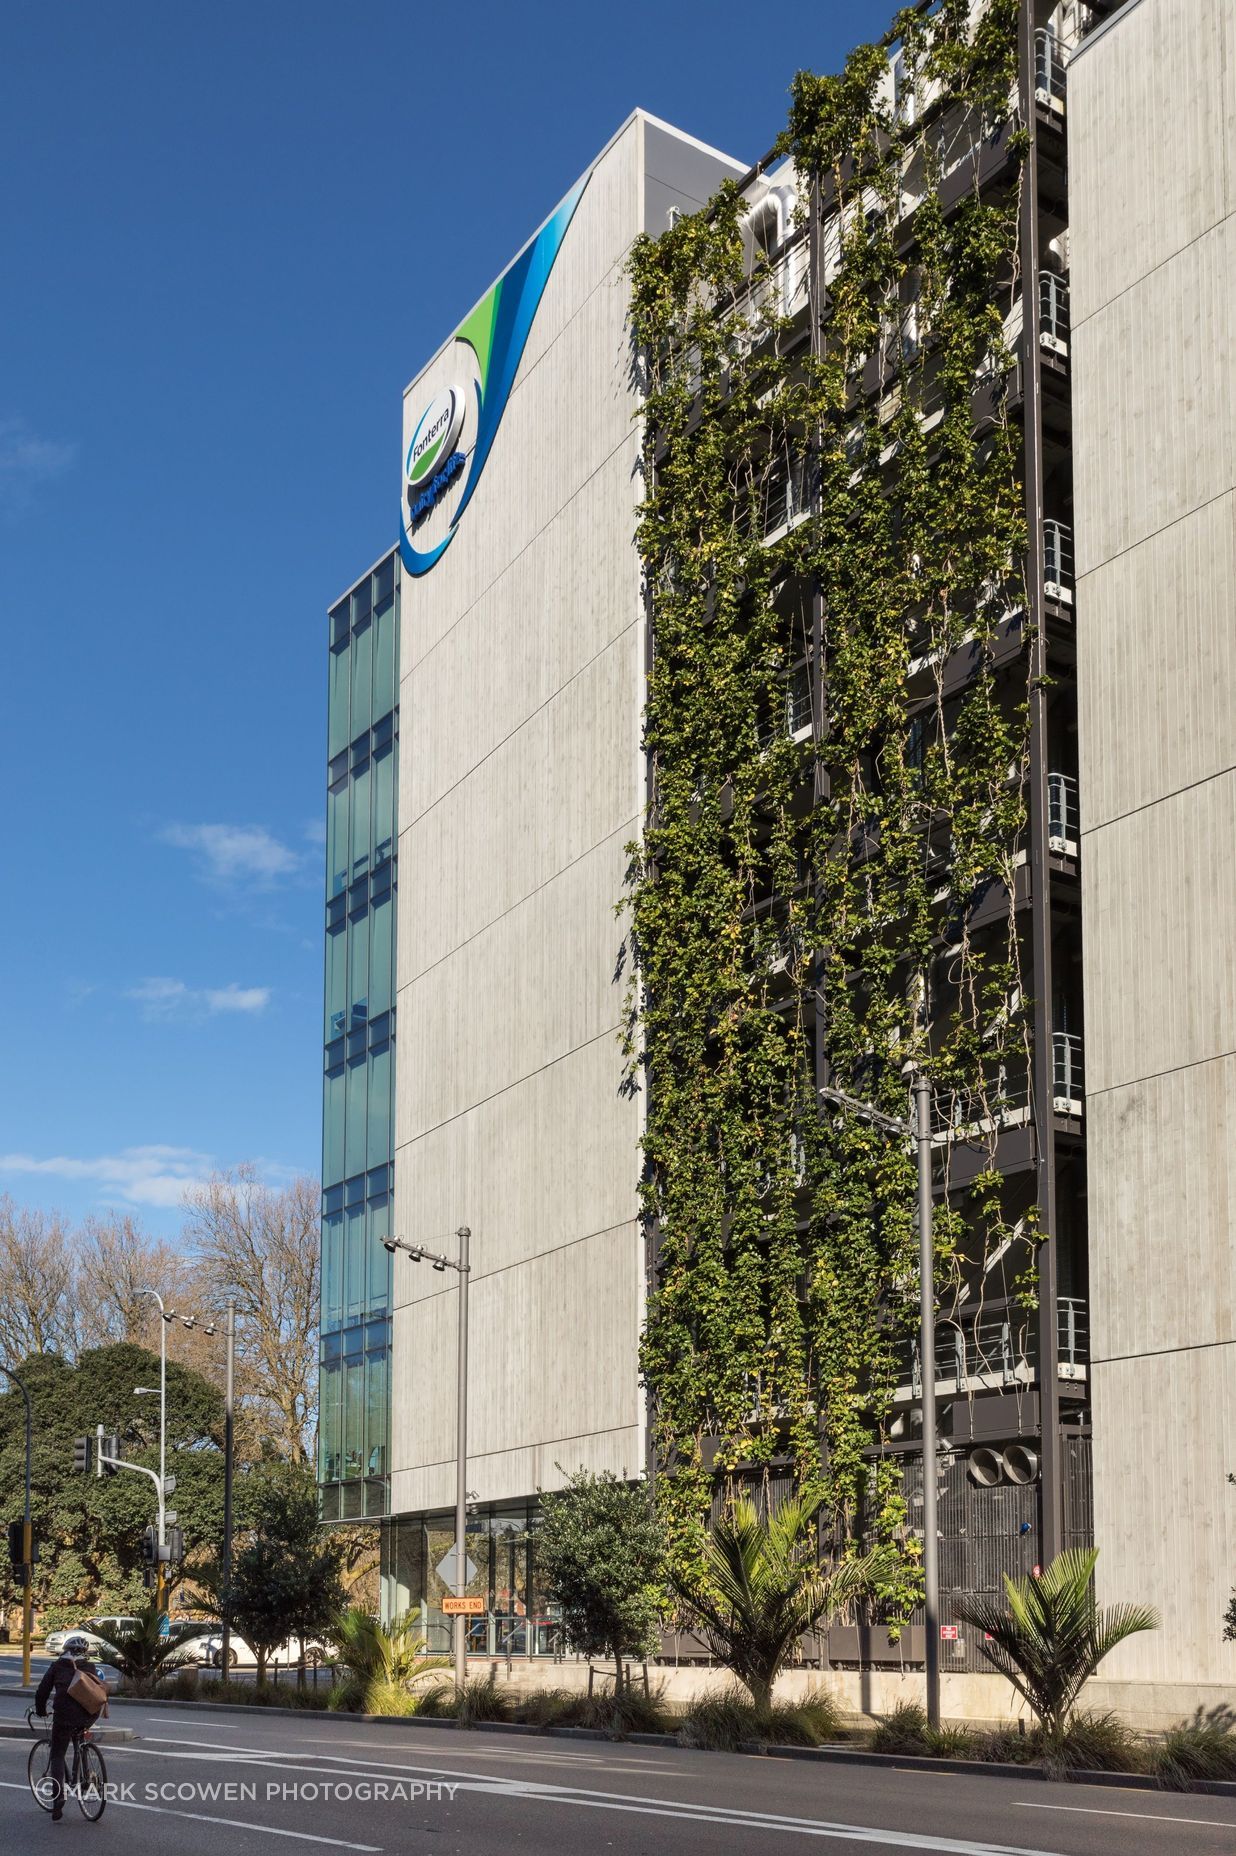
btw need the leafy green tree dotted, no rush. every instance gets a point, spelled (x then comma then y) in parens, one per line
(89, 1530)
(759, 1586)
(601, 1556)
(1051, 1636)
(286, 1575)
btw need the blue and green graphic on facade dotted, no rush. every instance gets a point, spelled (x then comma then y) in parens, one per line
(496, 332)
(359, 1047)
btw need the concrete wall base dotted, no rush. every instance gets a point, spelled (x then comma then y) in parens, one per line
(980, 1700)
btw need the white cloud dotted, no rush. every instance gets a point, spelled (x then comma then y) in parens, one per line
(137, 1175)
(236, 998)
(237, 853)
(168, 998)
(27, 462)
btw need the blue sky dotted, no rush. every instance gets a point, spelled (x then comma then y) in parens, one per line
(231, 234)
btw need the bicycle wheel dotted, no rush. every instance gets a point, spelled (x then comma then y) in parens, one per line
(91, 1781)
(42, 1785)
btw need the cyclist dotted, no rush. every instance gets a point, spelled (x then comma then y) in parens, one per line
(68, 1715)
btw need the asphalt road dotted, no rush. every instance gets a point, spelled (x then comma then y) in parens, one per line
(257, 1786)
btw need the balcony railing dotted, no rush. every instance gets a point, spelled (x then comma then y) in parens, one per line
(1068, 1077)
(995, 1348)
(1058, 562)
(1050, 65)
(793, 714)
(965, 1114)
(1063, 814)
(1053, 312)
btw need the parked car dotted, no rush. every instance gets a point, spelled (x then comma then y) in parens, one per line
(96, 1631)
(209, 1650)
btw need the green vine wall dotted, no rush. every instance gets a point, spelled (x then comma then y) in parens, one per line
(789, 891)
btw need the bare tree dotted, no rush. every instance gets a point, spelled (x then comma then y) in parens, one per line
(260, 1245)
(116, 1260)
(36, 1282)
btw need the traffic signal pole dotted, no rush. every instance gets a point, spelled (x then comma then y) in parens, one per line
(27, 1542)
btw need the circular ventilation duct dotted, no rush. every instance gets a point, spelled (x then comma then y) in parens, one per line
(986, 1467)
(1021, 1464)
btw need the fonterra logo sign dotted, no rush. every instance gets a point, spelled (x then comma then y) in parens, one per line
(434, 439)
(487, 350)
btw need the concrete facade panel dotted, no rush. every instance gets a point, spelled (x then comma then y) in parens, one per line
(531, 1407)
(537, 628)
(1152, 389)
(538, 1166)
(542, 981)
(489, 856)
(1151, 236)
(1164, 1512)
(1167, 1278)
(1158, 899)
(522, 781)
(1142, 192)
(1156, 661)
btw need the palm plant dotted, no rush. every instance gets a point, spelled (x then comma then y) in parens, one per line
(382, 1659)
(761, 1586)
(1052, 1636)
(143, 1654)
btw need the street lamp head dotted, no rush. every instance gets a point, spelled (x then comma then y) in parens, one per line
(439, 1264)
(210, 1328)
(390, 1244)
(145, 1391)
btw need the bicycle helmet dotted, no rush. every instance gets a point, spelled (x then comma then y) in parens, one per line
(75, 1646)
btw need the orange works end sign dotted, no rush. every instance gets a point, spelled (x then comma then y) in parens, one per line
(463, 1607)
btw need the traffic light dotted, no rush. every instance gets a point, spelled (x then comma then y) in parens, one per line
(108, 1446)
(17, 1545)
(175, 1545)
(81, 1454)
(150, 1546)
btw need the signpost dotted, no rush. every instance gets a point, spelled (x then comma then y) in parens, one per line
(446, 1568)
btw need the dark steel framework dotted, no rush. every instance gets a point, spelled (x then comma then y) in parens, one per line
(989, 1529)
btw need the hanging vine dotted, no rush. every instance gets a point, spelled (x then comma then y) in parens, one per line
(823, 902)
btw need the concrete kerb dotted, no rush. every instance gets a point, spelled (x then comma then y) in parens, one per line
(825, 1755)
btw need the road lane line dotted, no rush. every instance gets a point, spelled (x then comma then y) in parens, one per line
(233, 1823)
(1143, 1817)
(495, 1785)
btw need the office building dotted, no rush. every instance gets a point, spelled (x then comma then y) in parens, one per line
(851, 438)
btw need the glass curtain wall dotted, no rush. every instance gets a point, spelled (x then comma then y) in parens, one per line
(518, 1620)
(359, 1041)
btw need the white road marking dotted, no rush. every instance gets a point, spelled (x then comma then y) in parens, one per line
(494, 1785)
(1143, 1817)
(233, 1823)
(560, 1757)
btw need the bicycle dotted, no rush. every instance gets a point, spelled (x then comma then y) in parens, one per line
(85, 1777)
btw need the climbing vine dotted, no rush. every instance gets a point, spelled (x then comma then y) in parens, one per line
(825, 887)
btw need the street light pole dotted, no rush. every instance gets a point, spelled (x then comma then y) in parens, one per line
(919, 1130)
(419, 1254)
(927, 1372)
(228, 1422)
(162, 1438)
(27, 1540)
(461, 1457)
